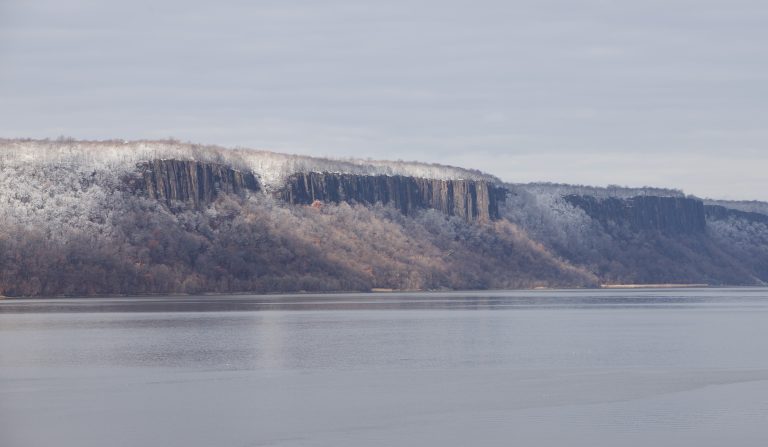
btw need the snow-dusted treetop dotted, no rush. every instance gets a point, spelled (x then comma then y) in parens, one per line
(750, 206)
(272, 167)
(560, 189)
(553, 191)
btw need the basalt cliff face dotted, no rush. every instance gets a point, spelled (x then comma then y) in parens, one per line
(665, 214)
(719, 213)
(194, 182)
(472, 200)
(90, 218)
(626, 237)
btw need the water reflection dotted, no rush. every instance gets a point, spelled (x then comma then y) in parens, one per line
(522, 329)
(636, 368)
(406, 301)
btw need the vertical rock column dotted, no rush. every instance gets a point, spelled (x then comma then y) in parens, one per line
(192, 182)
(473, 200)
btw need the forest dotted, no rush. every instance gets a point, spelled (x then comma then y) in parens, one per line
(134, 218)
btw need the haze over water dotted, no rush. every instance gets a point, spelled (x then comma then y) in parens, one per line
(683, 367)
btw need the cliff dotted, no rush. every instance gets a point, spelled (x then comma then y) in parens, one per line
(472, 200)
(199, 183)
(76, 221)
(665, 214)
(717, 212)
(193, 182)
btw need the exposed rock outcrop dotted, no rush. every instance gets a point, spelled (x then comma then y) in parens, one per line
(473, 200)
(193, 182)
(717, 212)
(666, 214)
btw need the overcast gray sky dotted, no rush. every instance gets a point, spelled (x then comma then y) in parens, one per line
(645, 92)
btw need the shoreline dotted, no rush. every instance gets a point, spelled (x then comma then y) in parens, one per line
(385, 292)
(657, 286)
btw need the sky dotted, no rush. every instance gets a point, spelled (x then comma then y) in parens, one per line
(670, 93)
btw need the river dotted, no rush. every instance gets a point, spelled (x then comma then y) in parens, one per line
(683, 367)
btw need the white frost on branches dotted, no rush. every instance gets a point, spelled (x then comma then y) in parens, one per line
(64, 185)
(620, 192)
(119, 156)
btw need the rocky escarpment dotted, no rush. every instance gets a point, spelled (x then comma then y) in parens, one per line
(717, 212)
(748, 206)
(665, 214)
(92, 218)
(473, 200)
(194, 182)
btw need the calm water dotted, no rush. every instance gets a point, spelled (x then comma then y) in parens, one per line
(541, 368)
